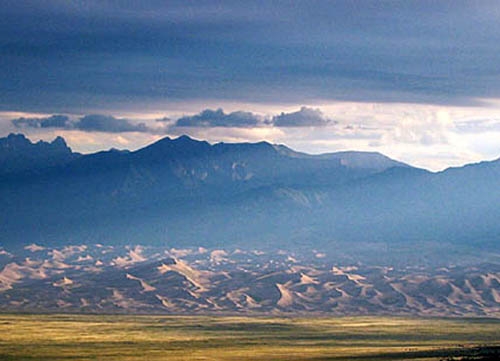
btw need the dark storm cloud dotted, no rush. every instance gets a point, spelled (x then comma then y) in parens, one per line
(77, 55)
(54, 121)
(305, 117)
(87, 123)
(109, 124)
(217, 118)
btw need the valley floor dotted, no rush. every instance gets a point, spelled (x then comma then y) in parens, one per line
(111, 337)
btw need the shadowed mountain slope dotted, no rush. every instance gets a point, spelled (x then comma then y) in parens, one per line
(192, 193)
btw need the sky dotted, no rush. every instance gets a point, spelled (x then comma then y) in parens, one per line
(416, 80)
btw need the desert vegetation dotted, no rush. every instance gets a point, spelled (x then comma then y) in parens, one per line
(112, 337)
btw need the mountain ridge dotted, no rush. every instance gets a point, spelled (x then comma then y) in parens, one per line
(193, 193)
(167, 144)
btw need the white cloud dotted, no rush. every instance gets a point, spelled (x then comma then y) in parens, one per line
(426, 128)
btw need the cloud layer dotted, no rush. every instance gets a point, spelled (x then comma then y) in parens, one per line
(109, 124)
(105, 55)
(208, 118)
(217, 118)
(305, 117)
(87, 123)
(53, 121)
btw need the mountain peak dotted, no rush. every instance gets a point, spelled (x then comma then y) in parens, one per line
(59, 141)
(182, 146)
(184, 139)
(14, 141)
(18, 153)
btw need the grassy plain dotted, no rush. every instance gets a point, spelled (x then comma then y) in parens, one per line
(152, 338)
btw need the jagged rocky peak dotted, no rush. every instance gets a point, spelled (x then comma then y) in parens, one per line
(18, 153)
(14, 141)
(19, 142)
(59, 142)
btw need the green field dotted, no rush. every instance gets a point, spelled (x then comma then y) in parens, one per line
(81, 337)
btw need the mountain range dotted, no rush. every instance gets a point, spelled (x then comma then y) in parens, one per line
(184, 192)
(186, 227)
